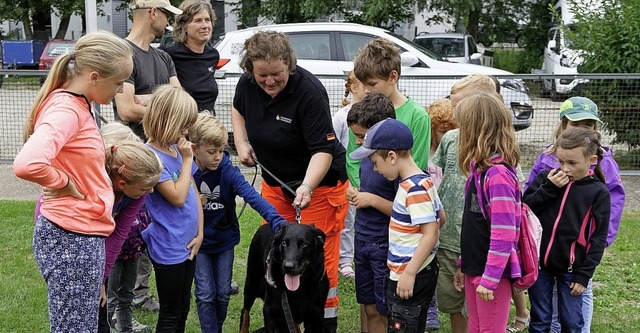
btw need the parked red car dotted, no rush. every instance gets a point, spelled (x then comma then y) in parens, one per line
(53, 49)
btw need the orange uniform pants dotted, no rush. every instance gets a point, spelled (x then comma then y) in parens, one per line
(327, 212)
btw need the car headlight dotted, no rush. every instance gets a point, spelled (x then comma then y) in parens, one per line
(515, 84)
(521, 111)
(566, 62)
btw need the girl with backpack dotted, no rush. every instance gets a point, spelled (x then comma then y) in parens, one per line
(491, 218)
(573, 205)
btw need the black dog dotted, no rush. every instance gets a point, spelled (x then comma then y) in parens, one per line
(291, 262)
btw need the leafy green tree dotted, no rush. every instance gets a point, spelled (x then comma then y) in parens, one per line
(381, 13)
(610, 39)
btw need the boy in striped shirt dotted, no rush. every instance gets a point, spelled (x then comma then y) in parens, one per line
(413, 229)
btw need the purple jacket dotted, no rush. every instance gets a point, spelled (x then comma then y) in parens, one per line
(614, 184)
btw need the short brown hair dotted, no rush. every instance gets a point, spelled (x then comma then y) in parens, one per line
(269, 46)
(377, 60)
(373, 108)
(189, 9)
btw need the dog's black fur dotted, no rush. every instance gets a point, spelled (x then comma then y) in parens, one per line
(294, 249)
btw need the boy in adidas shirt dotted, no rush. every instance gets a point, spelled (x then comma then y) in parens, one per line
(219, 182)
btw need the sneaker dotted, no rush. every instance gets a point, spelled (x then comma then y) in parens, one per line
(346, 270)
(433, 322)
(146, 303)
(139, 328)
(235, 289)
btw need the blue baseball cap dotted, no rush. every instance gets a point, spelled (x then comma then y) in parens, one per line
(389, 134)
(579, 108)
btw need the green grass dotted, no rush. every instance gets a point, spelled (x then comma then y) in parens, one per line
(23, 305)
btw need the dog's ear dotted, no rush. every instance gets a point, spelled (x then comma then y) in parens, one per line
(319, 235)
(281, 231)
(278, 237)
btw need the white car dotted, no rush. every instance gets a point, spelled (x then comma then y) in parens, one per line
(330, 48)
(454, 47)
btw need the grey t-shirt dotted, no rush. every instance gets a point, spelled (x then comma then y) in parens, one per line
(151, 68)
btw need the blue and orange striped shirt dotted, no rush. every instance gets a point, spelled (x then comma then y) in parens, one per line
(415, 203)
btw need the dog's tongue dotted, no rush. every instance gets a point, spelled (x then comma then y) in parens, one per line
(292, 282)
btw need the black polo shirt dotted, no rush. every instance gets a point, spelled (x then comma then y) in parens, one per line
(195, 73)
(285, 131)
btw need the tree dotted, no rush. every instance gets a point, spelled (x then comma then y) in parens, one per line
(610, 40)
(35, 15)
(382, 13)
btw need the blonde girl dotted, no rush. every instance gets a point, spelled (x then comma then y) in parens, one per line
(134, 170)
(63, 152)
(175, 231)
(488, 152)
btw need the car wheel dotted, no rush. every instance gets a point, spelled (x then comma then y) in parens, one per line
(543, 91)
(555, 96)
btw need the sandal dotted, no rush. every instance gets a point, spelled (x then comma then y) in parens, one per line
(512, 328)
(347, 271)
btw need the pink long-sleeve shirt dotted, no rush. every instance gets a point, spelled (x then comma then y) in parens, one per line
(66, 145)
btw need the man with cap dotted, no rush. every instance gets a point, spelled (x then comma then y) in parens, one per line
(151, 68)
(413, 229)
(583, 112)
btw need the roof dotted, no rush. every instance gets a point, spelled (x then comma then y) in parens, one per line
(455, 35)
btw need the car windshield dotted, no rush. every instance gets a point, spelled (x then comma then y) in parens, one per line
(420, 48)
(446, 47)
(58, 49)
(568, 42)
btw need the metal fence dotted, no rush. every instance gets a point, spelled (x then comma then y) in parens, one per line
(535, 112)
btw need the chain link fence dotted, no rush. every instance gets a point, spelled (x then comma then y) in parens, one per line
(535, 109)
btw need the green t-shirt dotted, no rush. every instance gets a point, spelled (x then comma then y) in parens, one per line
(451, 190)
(416, 118)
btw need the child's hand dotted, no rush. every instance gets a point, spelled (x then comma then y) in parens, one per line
(352, 192)
(458, 280)
(194, 246)
(404, 289)
(577, 289)
(103, 296)
(558, 177)
(363, 200)
(484, 293)
(203, 199)
(184, 147)
(70, 190)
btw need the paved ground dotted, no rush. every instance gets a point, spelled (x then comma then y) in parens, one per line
(17, 189)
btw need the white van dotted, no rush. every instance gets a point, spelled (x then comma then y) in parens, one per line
(559, 55)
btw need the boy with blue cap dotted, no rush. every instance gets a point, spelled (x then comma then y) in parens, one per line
(413, 229)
